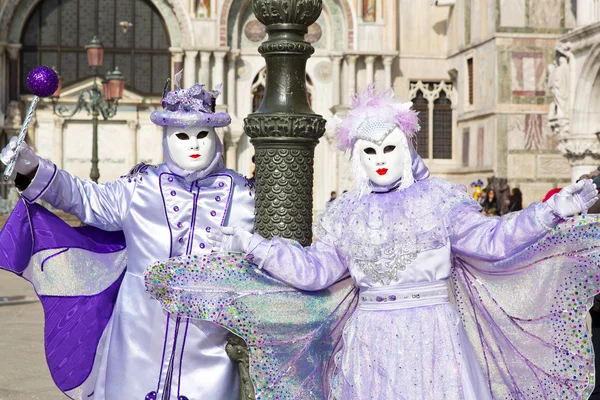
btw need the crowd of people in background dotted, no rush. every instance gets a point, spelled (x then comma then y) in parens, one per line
(511, 199)
(497, 198)
(492, 206)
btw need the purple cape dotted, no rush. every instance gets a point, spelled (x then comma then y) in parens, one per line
(33, 242)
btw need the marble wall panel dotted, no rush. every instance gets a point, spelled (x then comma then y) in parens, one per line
(481, 147)
(553, 166)
(530, 132)
(521, 166)
(512, 13)
(546, 14)
(114, 144)
(528, 73)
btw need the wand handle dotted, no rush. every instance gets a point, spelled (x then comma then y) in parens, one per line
(11, 165)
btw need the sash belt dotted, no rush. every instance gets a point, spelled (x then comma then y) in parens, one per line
(404, 296)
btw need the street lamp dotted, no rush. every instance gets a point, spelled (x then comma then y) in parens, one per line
(95, 101)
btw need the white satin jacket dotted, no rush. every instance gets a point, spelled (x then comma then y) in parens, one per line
(144, 354)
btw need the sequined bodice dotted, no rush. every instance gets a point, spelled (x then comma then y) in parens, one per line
(391, 237)
(425, 266)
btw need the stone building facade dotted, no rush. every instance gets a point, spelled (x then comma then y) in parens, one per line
(574, 113)
(475, 69)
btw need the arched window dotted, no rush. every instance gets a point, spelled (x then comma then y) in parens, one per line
(132, 32)
(433, 102)
(4, 185)
(442, 127)
(421, 105)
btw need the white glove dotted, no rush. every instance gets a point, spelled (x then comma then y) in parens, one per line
(230, 239)
(27, 161)
(574, 199)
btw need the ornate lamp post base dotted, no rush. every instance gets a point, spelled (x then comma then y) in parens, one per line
(238, 353)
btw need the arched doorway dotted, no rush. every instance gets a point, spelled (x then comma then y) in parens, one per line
(135, 39)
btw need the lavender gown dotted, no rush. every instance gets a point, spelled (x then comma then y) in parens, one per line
(406, 340)
(515, 329)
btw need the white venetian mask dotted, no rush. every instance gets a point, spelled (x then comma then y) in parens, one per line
(192, 148)
(383, 163)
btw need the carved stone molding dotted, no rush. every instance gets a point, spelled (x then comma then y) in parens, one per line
(581, 150)
(59, 122)
(177, 54)
(13, 50)
(13, 115)
(388, 60)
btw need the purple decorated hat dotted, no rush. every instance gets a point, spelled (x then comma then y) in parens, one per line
(190, 107)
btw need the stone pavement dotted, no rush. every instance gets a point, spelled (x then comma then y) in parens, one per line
(23, 371)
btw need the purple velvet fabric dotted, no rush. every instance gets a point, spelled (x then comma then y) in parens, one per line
(73, 324)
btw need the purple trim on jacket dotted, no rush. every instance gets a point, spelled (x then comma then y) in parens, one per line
(44, 177)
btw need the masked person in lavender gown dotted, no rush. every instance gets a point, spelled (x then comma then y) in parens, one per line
(521, 285)
(105, 338)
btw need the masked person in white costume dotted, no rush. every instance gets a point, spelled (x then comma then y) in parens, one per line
(522, 284)
(135, 351)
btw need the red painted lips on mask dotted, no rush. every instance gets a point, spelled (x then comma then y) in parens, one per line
(195, 156)
(382, 171)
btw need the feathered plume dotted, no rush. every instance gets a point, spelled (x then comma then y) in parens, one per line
(371, 105)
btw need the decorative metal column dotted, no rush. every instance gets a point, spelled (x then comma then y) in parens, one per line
(285, 130)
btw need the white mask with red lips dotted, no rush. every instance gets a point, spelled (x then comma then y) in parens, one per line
(383, 165)
(191, 148)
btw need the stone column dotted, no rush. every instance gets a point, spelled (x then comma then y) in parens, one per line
(59, 124)
(13, 71)
(189, 70)
(351, 78)
(232, 139)
(218, 72)
(133, 130)
(387, 66)
(336, 71)
(204, 70)
(176, 60)
(3, 82)
(370, 61)
(231, 73)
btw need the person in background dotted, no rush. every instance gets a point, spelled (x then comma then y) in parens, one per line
(490, 204)
(515, 202)
(333, 196)
(482, 196)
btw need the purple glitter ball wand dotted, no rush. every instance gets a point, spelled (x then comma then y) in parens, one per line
(43, 82)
